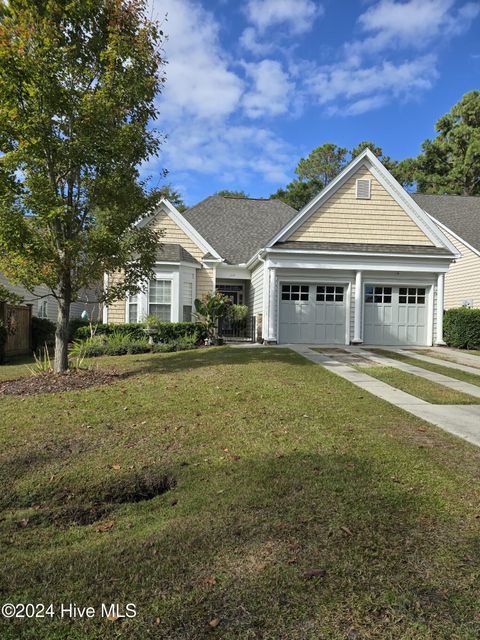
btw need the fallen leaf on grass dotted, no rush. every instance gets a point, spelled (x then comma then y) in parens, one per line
(214, 623)
(211, 580)
(346, 530)
(313, 573)
(23, 523)
(117, 467)
(106, 526)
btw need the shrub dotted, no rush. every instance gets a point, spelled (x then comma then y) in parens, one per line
(115, 344)
(461, 328)
(163, 347)
(185, 343)
(166, 331)
(75, 325)
(43, 333)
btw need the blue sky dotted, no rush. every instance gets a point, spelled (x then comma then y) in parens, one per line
(252, 86)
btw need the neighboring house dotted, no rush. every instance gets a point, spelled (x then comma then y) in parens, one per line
(459, 219)
(44, 304)
(362, 262)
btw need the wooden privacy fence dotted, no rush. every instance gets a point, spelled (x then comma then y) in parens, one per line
(18, 321)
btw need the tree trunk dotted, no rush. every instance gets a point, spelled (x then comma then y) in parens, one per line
(61, 333)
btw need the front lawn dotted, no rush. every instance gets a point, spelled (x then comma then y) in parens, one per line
(441, 355)
(291, 506)
(418, 386)
(451, 372)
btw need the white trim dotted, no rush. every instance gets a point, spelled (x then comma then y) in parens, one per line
(440, 304)
(403, 199)
(358, 309)
(455, 235)
(184, 225)
(105, 308)
(431, 298)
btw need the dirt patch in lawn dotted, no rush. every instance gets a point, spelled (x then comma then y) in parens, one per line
(49, 382)
(82, 510)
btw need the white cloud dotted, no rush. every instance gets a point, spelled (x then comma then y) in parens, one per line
(416, 23)
(250, 41)
(205, 96)
(297, 15)
(199, 80)
(271, 91)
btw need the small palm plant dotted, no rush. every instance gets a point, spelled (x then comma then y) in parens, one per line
(209, 310)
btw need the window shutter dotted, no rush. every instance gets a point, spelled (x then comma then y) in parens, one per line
(363, 189)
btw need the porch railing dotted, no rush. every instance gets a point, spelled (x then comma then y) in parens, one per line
(237, 331)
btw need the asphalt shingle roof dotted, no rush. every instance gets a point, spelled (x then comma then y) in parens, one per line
(364, 248)
(461, 214)
(174, 253)
(238, 227)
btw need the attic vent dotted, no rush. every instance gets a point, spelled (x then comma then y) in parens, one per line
(363, 189)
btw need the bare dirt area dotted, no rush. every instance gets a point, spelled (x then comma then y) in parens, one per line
(49, 382)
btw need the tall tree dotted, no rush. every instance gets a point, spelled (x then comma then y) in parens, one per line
(173, 196)
(78, 81)
(314, 172)
(402, 170)
(451, 162)
(227, 193)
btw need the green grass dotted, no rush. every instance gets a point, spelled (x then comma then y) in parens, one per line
(441, 355)
(451, 372)
(280, 467)
(417, 386)
(16, 367)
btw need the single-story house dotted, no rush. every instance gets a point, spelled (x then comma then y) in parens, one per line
(44, 304)
(361, 263)
(459, 218)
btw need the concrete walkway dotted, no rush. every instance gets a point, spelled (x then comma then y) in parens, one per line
(461, 420)
(439, 378)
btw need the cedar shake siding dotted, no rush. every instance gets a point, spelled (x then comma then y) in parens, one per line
(462, 281)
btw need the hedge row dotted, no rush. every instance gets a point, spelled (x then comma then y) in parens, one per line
(461, 328)
(167, 331)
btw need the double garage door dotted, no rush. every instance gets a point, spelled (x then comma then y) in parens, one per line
(317, 314)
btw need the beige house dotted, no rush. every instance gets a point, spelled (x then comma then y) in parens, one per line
(361, 263)
(459, 219)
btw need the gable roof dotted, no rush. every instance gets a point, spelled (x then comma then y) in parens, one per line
(403, 199)
(460, 214)
(175, 253)
(238, 227)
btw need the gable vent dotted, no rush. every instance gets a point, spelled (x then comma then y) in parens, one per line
(363, 189)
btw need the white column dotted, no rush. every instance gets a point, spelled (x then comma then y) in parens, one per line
(357, 330)
(440, 302)
(272, 304)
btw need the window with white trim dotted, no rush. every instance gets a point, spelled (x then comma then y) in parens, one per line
(187, 301)
(329, 293)
(379, 295)
(411, 295)
(133, 308)
(43, 308)
(295, 292)
(160, 299)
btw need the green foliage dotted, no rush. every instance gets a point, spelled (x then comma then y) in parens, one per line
(297, 193)
(237, 312)
(43, 333)
(78, 82)
(451, 162)
(8, 296)
(173, 196)
(166, 331)
(114, 344)
(461, 328)
(210, 309)
(227, 193)
(185, 343)
(43, 363)
(163, 347)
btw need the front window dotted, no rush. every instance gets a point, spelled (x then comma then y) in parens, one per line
(160, 299)
(43, 309)
(187, 301)
(133, 308)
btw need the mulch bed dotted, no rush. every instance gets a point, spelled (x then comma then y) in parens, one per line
(59, 382)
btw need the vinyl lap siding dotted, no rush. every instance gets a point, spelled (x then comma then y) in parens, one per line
(255, 297)
(344, 218)
(175, 235)
(462, 280)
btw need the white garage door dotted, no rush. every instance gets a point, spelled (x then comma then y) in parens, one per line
(312, 313)
(395, 315)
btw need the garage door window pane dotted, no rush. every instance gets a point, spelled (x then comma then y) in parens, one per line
(329, 293)
(295, 292)
(412, 295)
(379, 295)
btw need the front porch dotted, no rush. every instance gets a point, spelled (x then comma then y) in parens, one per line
(238, 290)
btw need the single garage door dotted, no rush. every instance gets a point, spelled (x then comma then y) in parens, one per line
(395, 315)
(312, 313)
